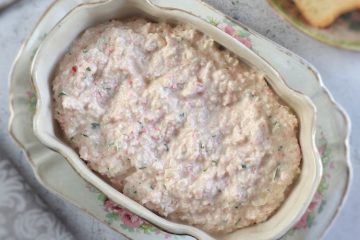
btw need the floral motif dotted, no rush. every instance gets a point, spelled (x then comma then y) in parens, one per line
(127, 220)
(319, 201)
(308, 218)
(31, 100)
(233, 30)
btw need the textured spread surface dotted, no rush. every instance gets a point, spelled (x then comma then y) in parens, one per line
(176, 123)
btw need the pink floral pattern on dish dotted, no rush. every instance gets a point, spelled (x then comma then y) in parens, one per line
(317, 204)
(307, 218)
(128, 221)
(31, 97)
(128, 218)
(241, 35)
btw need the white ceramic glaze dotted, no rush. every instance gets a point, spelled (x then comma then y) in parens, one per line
(55, 174)
(65, 32)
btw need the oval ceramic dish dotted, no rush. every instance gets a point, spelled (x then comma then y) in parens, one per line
(60, 38)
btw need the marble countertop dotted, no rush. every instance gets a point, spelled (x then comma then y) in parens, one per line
(340, 70)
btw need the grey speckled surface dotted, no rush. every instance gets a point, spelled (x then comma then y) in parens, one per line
(340, 70)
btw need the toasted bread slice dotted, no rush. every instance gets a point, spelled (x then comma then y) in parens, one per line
(321, 13)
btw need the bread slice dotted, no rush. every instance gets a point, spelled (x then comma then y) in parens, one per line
(321, 13)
